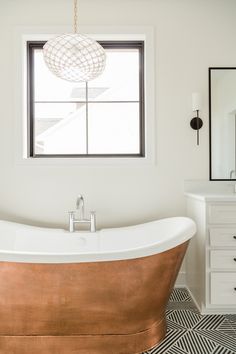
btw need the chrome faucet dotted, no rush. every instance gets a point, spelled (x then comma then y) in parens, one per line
(80, 216)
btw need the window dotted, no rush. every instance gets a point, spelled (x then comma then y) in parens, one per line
(101, 118)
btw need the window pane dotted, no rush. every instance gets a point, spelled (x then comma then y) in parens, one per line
(113, 128)
(60, 128)
(61, 122)
(120, 79)
(49, 87)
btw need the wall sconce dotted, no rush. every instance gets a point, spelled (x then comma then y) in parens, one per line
(196, 122)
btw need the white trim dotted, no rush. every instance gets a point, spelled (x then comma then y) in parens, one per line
(22, 34)
(194, 300)
(181, 280)
(211, 310)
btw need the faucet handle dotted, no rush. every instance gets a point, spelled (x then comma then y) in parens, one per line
(92, 221)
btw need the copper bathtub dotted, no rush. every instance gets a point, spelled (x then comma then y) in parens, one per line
(90, 296)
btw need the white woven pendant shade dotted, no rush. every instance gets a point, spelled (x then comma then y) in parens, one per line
(74, 57)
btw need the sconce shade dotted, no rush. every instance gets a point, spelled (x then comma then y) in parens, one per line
(196, 101)
(74, 57)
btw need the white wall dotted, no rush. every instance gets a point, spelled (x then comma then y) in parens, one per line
(190, 36)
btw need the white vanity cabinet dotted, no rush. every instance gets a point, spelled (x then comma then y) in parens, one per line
(211, 257)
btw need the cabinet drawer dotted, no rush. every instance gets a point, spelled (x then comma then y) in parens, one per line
(222, 214)
(223, 288)
(223, 237)
(223, 259)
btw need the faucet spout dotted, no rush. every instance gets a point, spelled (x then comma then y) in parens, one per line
(80, 206)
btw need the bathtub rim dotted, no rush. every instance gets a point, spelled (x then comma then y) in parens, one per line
(182, 236)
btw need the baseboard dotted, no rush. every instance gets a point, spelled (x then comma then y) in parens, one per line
(181, 280)
(193, 298)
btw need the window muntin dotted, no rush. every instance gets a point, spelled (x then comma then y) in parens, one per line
(104, 117)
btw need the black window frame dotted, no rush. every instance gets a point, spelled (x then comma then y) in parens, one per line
(137, 44)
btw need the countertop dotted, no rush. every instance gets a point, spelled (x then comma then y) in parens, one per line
(212, 196)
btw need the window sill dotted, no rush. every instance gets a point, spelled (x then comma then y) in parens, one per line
(89, 162)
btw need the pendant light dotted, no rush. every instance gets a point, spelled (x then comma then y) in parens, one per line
(74, 57)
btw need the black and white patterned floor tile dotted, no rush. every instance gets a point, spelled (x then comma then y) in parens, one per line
(189, 332)
(180, 295)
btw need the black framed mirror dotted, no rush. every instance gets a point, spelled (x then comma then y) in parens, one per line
(222, 128)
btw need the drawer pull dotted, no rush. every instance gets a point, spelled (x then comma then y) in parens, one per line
(234, 237)
(234, 259)
(235, 289)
